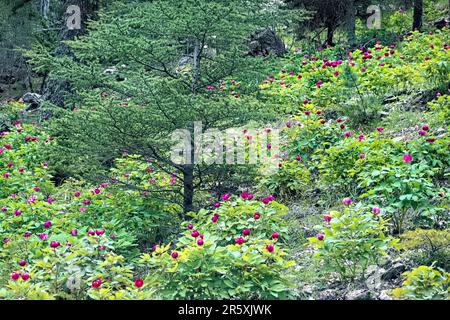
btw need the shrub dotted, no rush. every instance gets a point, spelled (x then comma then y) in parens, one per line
(238, 256)
(424, 283)
(351, 241)
(428, 247)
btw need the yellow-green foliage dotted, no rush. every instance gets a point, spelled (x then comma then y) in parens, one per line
(424, 283)
(428, 246)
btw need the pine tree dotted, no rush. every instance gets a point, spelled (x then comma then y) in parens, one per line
(146, 69)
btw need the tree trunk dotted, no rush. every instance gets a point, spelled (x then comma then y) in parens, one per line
(330, 34)
(418, 15)
(45, 8)
(188, 187)
(54, 90)
(351, 22)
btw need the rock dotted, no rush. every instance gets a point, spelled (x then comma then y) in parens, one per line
(264, 42)
(32, 99)
(441, 23)
(384, 295)
(394, 272)
(360, 294)
(328, 294)
(111, 70)
(373, 281)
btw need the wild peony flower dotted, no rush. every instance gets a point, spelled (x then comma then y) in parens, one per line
(376, 210)
(327, 218)
(50, 200)
(425, 127)
(54, 244)
(174, 254)
(407, 158)
(195, 233)
(380, 129)
(362, 156)
(270, 248)
(17, 212)
(246, 232)
(47, 224)
(139, 283)
(422, 133)
(347, 201)
(239, 240)
(225, 197)
(275, 235)
(347, 134)
(74, 232)
(256, 216)
(200, 242)
(320, 236)
(25, 276)
(43, 236)
(96, 283)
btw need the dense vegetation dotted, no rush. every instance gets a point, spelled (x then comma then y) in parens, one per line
(355, 205)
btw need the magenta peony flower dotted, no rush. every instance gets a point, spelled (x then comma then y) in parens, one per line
(43, 236)
(422, 133)
(347, 134)
(239, 240)
(246, 232)
(225, 197)
(407, 158)
(362, 156)
(270, 248)
(47, 224)
(320, 236)
(174, 254)
(347, 201)
(327, 218)
(376, 210)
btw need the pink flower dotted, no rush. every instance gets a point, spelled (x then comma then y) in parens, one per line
(216, 204)
(47, 224)
(362, 156)
(225, 197)
(82, 209)
(347, 201)
(4, 209)
(407, 158)
(376, 210)
(37, 189)
(17, 212)
(190, 226)
(239, 240)
(50, 200)
(425, 127)
(347, 134)
(327, 218)
(43, 236)
(74, 232)
(320, 236)
(174, 254)
(379, 129)
(99, 232)
(77, 194)
(270, 248)
(275, 235)
(200, 242)
(422, 133)
(360, 137)
(195, 233)
(215, 218)
(15, 276)
(6, 175)
(25, 276)
(256, 216)
(246, 232)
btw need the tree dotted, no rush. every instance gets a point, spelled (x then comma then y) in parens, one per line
(330, 14)
(147, 68)
(418, 14)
